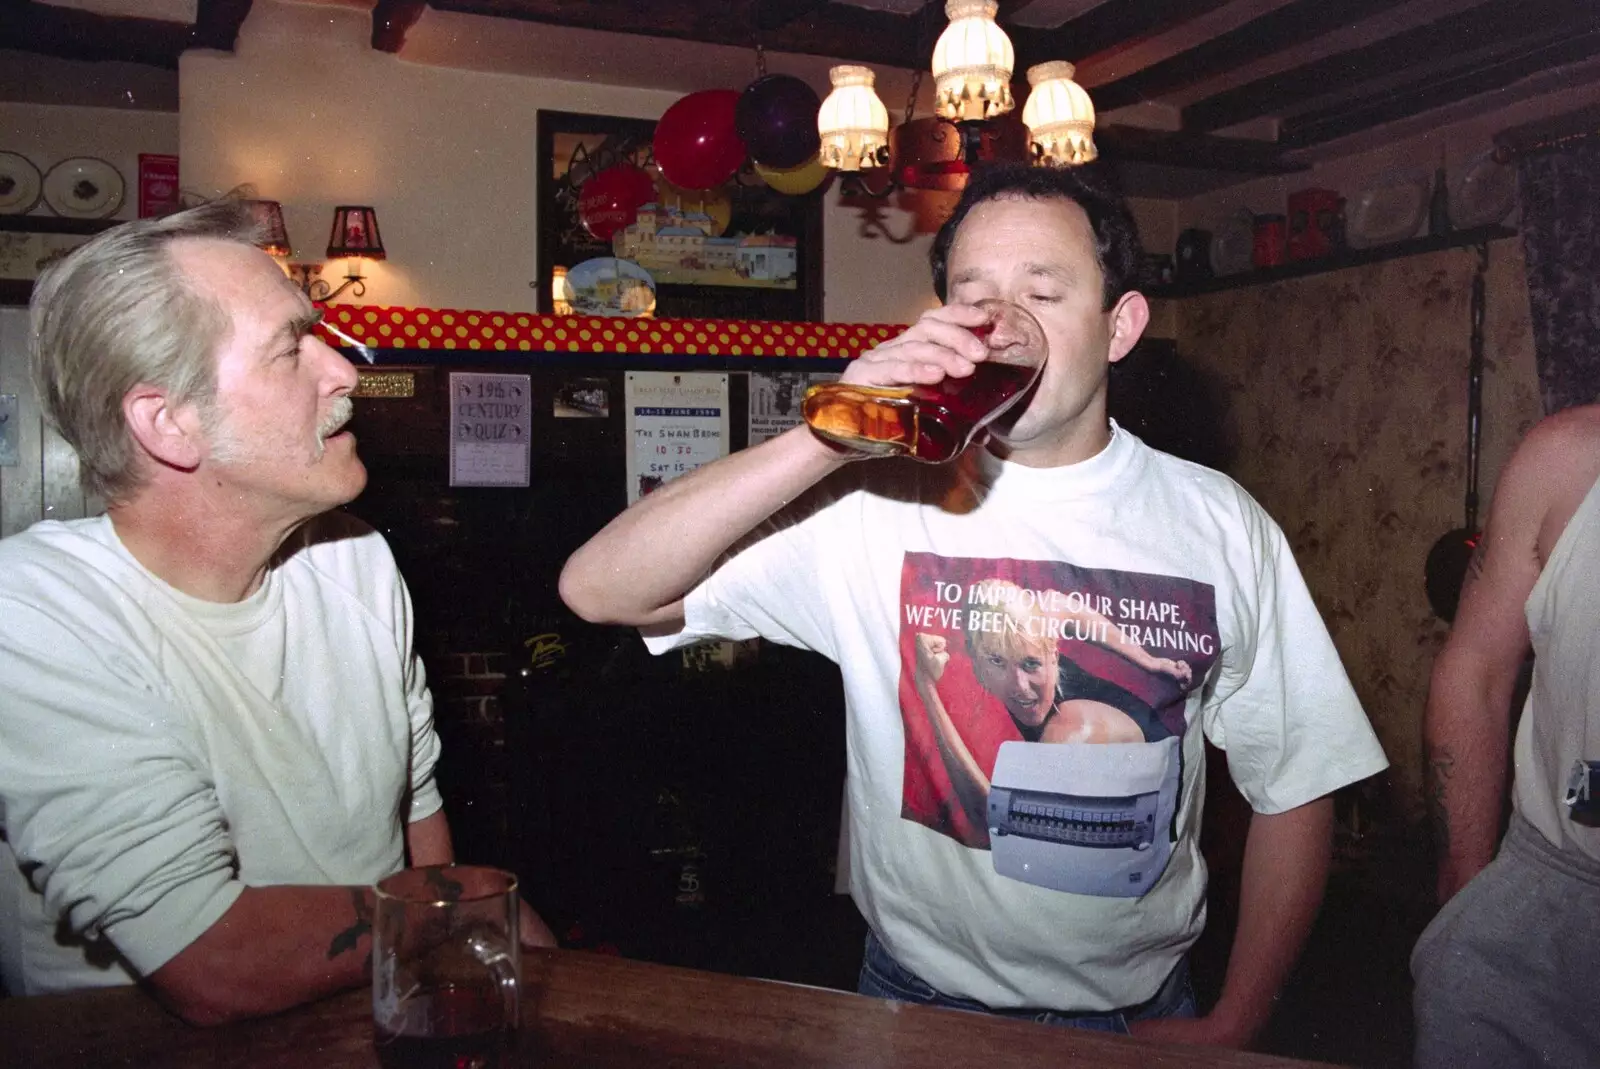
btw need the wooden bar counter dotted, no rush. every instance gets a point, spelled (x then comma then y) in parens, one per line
(587, 1011)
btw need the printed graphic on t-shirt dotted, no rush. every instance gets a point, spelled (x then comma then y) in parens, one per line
(1044, 709)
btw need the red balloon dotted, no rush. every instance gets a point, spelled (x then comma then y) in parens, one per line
(610, 201)
(696, 143)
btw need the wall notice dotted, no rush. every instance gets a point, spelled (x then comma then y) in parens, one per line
(491, 422)
(775, 398)
(676, 421)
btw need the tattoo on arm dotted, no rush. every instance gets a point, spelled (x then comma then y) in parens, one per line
(1441, 768)
(350, 938)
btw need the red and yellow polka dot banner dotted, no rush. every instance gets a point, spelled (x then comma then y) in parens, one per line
(450, 328)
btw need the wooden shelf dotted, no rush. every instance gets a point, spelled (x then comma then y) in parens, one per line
(1346, 258)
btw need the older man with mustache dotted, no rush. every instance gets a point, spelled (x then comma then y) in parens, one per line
(215, 735)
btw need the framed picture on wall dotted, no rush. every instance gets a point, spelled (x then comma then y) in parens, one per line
(30, 243)
(739, 251)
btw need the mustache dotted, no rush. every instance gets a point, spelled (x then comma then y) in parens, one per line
(343, 408)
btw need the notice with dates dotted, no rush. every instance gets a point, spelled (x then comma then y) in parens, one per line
(676, 421)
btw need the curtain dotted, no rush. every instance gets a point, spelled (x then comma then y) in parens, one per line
(1560, 193)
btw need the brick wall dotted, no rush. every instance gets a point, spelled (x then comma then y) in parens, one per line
(474, 767)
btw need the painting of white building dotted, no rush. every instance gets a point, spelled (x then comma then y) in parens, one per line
(680, 246)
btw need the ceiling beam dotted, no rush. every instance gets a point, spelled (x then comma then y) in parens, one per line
(392, 20)
(1476, 28)
(1007, 8)
(1555, 48)
(68, 33)
(848, 33)
(769, 15)
(1293, 24)
(1133, 144)
(1111, 24)
(217, 22)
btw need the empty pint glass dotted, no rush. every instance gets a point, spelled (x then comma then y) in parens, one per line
(935, 423)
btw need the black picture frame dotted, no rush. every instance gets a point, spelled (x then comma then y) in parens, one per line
(562, 240)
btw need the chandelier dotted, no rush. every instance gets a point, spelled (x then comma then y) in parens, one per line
(972, 66)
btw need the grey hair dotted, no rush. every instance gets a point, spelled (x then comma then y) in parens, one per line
(118, 312)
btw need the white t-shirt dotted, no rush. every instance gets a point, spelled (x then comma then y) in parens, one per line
(159, 753)
(1073, 879)
(1561, 721)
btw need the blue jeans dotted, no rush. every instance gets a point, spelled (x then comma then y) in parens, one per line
(884, 977)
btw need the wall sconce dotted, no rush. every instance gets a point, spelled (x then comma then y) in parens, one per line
(354, 237)
(268, 216)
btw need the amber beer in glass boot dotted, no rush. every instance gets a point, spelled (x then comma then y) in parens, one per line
(935, 423)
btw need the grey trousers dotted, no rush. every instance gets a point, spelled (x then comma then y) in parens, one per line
(1506, 975)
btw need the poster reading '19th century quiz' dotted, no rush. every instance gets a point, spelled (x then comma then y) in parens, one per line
(676, 421)
(491, 423)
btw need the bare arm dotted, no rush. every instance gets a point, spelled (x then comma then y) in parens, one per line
(428, 841)
(1285, 869)
(1112, 638)
(1466, 731)
(274, 948)
(638, 568)
(970, 783)
(277, 947)
(1466, 726)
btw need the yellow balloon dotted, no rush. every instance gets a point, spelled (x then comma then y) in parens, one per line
(795, 180)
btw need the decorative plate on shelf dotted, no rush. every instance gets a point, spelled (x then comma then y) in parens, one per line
(1233, 245)
(83, 188)
(1391, 209)
(19, 184)
(1484, 192)
(608, 286)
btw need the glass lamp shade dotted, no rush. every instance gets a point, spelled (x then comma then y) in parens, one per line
(972, 63)
(355, 233)
(852, 122)
(1059, 115)
(273, 236)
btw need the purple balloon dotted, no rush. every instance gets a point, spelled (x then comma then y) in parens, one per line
(776, 118)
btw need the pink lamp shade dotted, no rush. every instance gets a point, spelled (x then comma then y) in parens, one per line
(274, 237)
(355, 233)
